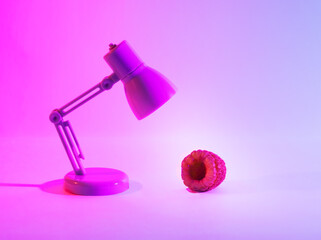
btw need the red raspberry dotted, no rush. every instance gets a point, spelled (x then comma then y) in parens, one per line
(203, 170)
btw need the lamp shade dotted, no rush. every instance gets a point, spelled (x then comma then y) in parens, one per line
(146, 89)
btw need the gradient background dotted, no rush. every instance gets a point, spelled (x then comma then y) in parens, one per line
(248, 76)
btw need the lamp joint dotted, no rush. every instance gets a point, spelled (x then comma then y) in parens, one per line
(107, 83)
(55, 117)
(112, 46)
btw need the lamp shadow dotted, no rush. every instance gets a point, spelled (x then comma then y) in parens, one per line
(54, 187)
(57, 187)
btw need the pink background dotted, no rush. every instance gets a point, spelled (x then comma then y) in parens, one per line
(248, 78)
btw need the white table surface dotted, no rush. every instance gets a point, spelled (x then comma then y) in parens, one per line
(254, 202)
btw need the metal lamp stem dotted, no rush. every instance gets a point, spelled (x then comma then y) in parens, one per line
(64, 129)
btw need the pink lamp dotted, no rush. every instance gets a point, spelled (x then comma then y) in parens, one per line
(146, 90)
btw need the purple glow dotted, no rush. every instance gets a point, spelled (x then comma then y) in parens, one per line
(248, 74)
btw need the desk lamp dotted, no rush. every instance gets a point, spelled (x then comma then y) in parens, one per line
(146, 90)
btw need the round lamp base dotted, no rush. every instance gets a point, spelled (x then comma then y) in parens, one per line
(97, 181)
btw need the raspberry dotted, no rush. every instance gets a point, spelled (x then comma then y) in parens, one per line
(203, 170)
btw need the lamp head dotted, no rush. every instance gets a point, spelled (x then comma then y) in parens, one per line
(145, 88)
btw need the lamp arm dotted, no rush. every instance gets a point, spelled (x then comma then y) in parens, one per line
(64, 129)
(105, 84)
